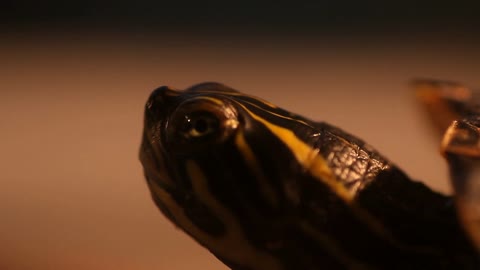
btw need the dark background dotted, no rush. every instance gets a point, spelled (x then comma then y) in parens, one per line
(247, 16)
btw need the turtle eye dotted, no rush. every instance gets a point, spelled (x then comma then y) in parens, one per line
(199, 124)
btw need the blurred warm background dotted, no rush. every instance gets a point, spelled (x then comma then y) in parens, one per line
(74, 78)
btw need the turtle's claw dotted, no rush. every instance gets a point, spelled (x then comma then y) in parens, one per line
(462, 138)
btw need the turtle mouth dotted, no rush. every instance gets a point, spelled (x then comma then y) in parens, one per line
(154, 159)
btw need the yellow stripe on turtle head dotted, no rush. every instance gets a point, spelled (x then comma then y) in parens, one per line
(307, 157)
(233, 245)
(254, 166)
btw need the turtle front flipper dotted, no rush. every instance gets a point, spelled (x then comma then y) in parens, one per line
(455, 111)
(461, 147)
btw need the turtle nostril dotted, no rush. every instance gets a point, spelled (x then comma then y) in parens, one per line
(156, 93)
(160, 97)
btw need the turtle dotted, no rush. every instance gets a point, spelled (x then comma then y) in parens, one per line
(263, 188)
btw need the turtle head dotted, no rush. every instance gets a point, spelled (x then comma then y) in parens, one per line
(214, 160)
